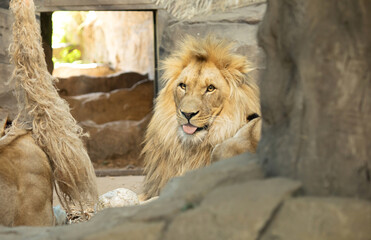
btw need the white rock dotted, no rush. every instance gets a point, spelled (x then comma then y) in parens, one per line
(60, 215)
(119, 197)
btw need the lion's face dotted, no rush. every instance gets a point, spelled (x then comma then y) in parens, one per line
(199, 94)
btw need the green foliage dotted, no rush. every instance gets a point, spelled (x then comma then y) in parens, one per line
(66, 36)
(68, 55)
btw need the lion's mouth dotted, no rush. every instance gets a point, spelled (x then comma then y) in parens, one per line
(190, 129)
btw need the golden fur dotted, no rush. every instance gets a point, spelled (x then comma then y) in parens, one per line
(53, 129)
(207, 82)
(26, 181)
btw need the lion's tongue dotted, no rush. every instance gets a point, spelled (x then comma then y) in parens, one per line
(189, 128)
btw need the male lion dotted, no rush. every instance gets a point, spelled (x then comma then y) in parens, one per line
(208, 110)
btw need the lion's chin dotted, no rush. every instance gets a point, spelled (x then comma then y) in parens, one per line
(189, 135)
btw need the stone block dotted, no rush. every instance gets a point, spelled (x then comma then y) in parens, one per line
(122, 104)
(237, 211)
(197, 183)
(308, 218)
(119, 142)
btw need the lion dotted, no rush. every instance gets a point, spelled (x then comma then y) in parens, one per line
(26, 181)
(208, 110)
(43, 148)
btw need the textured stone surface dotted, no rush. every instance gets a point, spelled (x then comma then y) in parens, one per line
(78, 85)
(187, 9)
(119, 142)
(133, 230)
(250, 208)
(119, 197)
(8, 102)
(239, 211)
(316, 95)
(309, 218)
(196, 184)
(123, 104)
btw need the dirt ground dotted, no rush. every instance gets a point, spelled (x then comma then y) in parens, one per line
(106, 184)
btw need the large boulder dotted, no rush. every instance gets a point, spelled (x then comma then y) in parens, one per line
(316, 95)
(308, 218)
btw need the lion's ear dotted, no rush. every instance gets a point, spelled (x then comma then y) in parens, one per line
(172, 67)
(239, 68)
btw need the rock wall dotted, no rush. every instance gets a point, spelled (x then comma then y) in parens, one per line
(120, 104)
(316, 95)
(79, 85)
(8, 102)
(115, 111)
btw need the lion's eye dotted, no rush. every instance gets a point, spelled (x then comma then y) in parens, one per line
(182, 85)
(210, 88)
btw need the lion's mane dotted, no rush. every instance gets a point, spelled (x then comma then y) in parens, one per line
(165, 154)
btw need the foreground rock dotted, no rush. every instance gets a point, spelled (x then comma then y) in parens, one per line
(316, 95)
(244, 206)
(308, 218)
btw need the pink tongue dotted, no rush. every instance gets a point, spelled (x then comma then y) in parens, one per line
(189, 128)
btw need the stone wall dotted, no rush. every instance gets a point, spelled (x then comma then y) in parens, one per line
(115, 111)
(8, 102)
(316, 95)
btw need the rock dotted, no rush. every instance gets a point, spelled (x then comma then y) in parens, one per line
(316, 95)
(187, 9)
(120, 197)
(122, 104)
(308, 218)
(131, 231)
(60, 215)
(8, 104)
(82, 84)
(251, 203)
(115, 144)
(192, 186)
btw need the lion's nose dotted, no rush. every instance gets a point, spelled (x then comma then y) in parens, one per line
(189, 115)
